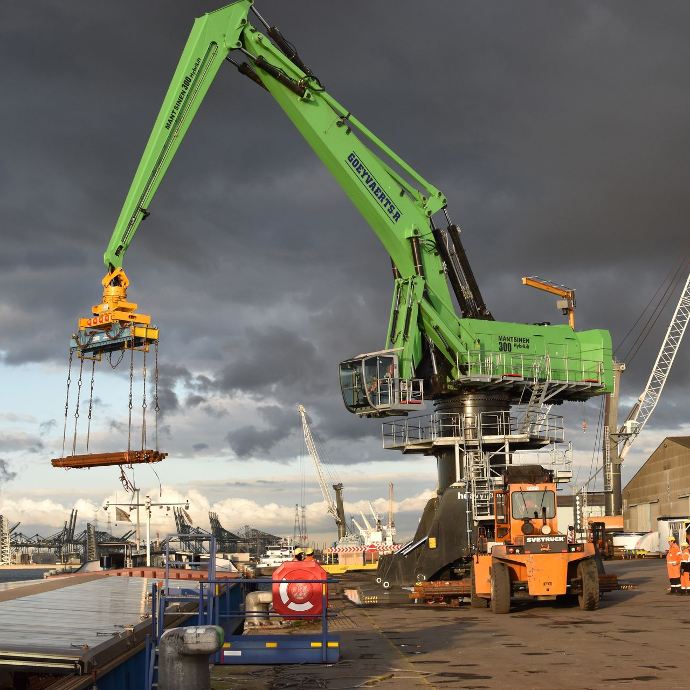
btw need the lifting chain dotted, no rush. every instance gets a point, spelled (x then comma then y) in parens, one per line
(131, 384)
(88, 426)
(127, 485)
(76, 409)
(69, 379)
(156, 406)
(143, 396)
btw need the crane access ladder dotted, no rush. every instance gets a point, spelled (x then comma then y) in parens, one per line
(534, 414)
(480, 485)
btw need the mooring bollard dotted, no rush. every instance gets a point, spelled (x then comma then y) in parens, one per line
(183, 662)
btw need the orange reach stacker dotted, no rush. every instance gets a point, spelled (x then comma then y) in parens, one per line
(527, 555)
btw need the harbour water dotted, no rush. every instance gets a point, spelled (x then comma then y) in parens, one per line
(21, 574)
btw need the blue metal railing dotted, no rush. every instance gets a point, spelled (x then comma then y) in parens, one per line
(212, 593)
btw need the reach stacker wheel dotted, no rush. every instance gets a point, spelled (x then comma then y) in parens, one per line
(500, 588)
(588, 598)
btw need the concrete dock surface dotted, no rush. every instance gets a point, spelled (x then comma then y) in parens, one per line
(637, 639)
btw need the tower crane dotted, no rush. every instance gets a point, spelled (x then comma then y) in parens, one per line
(471, 366)
(335, 508)
(618, 443)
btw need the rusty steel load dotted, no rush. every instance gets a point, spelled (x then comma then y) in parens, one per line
(134, 457)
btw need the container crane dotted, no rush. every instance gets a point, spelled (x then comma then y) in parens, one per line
(472, 367)
(334, 508)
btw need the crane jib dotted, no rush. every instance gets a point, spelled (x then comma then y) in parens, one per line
(370, 182)
(186, 83)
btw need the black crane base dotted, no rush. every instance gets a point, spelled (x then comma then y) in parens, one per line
(440, 545)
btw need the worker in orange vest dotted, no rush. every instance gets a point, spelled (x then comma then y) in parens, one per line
(673, 558)
(685, 569)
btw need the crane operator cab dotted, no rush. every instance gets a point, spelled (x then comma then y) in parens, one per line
(371, 386)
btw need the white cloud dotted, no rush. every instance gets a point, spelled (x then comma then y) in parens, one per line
(233, 513)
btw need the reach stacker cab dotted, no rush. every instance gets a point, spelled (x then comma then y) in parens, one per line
(527, 555)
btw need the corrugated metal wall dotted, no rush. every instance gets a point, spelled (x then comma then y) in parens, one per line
(661, 488)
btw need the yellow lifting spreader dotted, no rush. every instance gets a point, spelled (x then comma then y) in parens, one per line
(115, 324)
(567, 302)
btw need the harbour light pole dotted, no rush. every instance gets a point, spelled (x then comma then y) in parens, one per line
(147, 505)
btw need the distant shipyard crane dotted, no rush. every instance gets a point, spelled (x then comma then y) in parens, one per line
(647, 402)
(335, 508)
(185, 526)
(226, 541)
(618, 444)
(63, 544)
(256, 541)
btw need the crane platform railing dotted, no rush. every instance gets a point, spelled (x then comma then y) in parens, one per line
(528, 367)
(424, 430)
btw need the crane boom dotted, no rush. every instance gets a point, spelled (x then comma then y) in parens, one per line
(647, 402)
(318, 466)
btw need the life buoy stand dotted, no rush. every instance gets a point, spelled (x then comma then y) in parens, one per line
(301, 598)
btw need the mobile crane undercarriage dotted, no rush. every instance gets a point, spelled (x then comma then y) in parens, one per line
(472, 367)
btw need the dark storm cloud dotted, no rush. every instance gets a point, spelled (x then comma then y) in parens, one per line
(6, 474)
(272, 358)
(47, 426)
(248, 439)
(12, 442)
(169, 376)
(558, 131)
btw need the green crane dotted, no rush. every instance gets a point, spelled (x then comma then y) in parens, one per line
(465, 362)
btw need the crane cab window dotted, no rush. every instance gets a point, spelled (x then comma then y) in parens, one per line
(369, 383)
(531, 504)
(352, 386)
(379, 375)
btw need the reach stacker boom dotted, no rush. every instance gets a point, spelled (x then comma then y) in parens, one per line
(472, 367)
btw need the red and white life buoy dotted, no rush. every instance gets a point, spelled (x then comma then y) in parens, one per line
(303, 598)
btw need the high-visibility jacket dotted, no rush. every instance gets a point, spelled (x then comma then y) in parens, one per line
(673, 558)
(685, 575)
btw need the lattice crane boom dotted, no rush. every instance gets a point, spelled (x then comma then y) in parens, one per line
(313, 451)
(644, 407)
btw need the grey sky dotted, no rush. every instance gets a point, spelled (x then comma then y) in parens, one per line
(558, 131)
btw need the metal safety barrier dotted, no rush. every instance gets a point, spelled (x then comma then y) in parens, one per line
(219, 602)
(424, 429)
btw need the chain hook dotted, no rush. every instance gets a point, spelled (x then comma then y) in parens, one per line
(88, 426)
(69, 379)
(76, 409)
